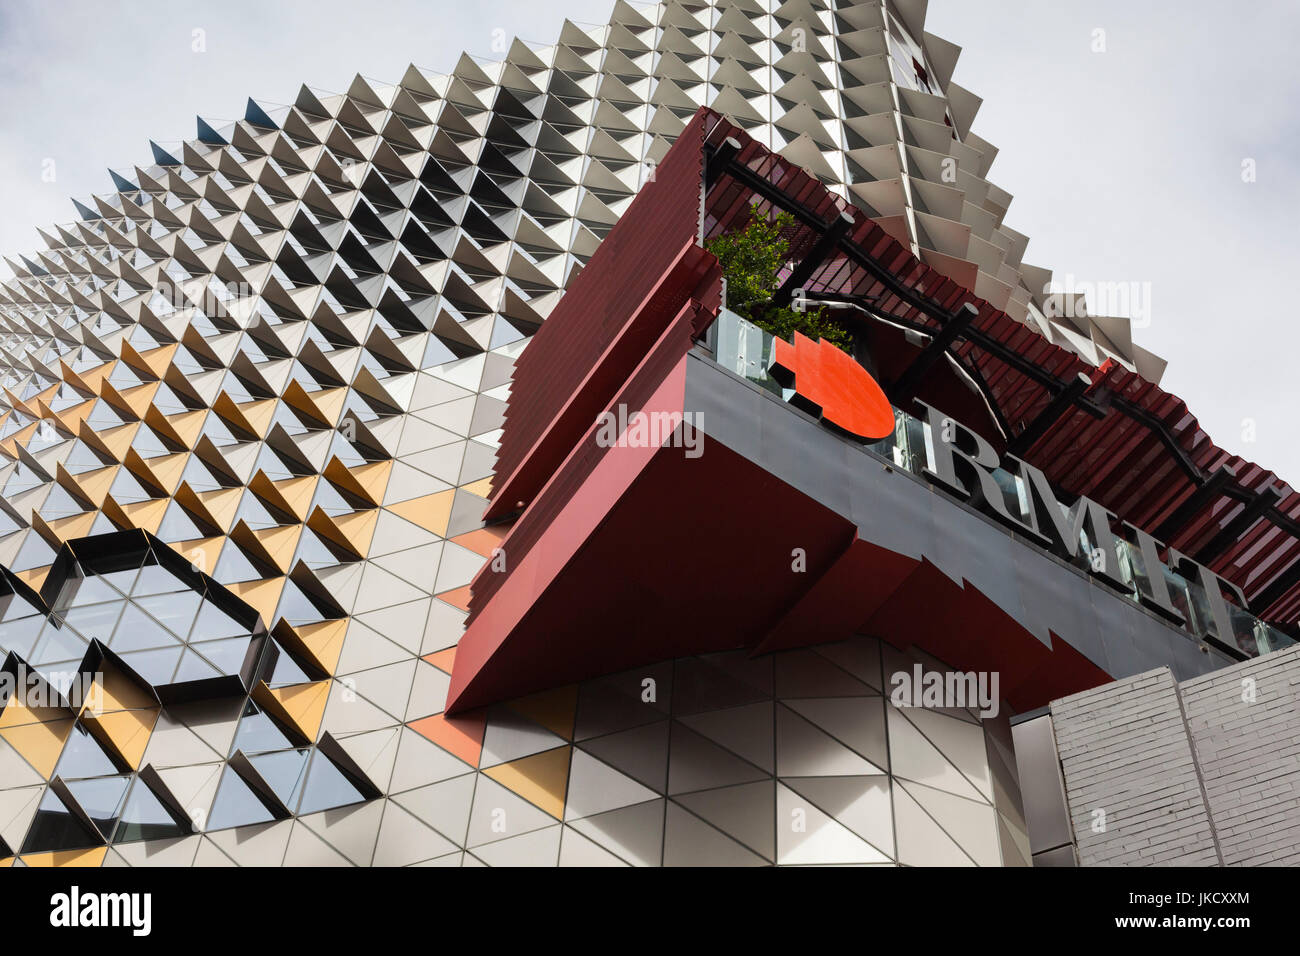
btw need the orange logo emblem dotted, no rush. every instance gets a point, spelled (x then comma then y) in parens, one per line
(829, 384)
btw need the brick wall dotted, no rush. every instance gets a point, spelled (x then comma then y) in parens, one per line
(1202, 773)
(1130, 776)
(1245, 722)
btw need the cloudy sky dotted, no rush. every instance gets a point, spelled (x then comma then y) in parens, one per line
(1123, 127)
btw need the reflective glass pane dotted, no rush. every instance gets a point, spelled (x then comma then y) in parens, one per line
(55, 828)
(214, 623)
(174, 611)
(83, 757)
(1243, 631)
(102, 799)
(258, 733)
(155, 579)
(236, 805)
(194, 667)
(61, 674)
(57, 644)
(283, 771)
(121, 580)
(284, 670)
(88, 590)
(234, 565)
(296, 608)
(95, 620)
(19, 635)
(327, 787)
(137, 631)
(155, 666)
(226, 655)
(145, 818)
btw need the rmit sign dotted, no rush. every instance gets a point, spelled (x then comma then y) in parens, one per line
(830, 385)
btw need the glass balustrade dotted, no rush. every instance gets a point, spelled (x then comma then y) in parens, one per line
(745, 349)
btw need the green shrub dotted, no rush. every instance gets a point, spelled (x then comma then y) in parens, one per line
(752, 258)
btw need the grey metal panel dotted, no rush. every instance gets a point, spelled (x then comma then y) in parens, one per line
(1186, 656)
(1041, 787)
(1116, 619)
(1051, 593)
(974, 549)
(792, 442)
(888, 511)
(1062, 856)
(729, 415)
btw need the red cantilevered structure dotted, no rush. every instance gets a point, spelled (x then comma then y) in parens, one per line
(621, 556)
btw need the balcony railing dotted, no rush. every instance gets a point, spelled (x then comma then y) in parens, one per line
(744, 348)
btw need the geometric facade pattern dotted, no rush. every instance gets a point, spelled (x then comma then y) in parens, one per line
(282, 351)
(176, 675)
(796, 758)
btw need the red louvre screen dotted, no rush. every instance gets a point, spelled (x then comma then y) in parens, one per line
(541, 428)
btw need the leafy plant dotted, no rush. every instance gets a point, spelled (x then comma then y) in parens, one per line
(752, 258)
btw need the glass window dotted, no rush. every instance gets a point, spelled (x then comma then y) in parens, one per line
(145, 817)
(227, 656)
(213, 623)
(155, 579)
(56, 828)
(258, 733)
(285, 671)
(137, 631)
(176, 612)
(193, 667)
(283, 771)
(83, 757)
(57, 644)
(327, 787)
(18, 635)
(236, 805)
(92, 589)
(102, 799)
(155, 666)
(95, 620)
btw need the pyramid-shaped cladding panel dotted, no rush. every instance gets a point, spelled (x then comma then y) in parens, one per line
(167, 630)
(282, 350)
(139, 661)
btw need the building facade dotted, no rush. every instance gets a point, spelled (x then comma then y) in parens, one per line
(311, 553)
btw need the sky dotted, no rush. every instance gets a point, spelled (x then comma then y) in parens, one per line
(1152, 145)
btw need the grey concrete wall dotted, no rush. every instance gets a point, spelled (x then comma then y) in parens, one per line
(1202, 773)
